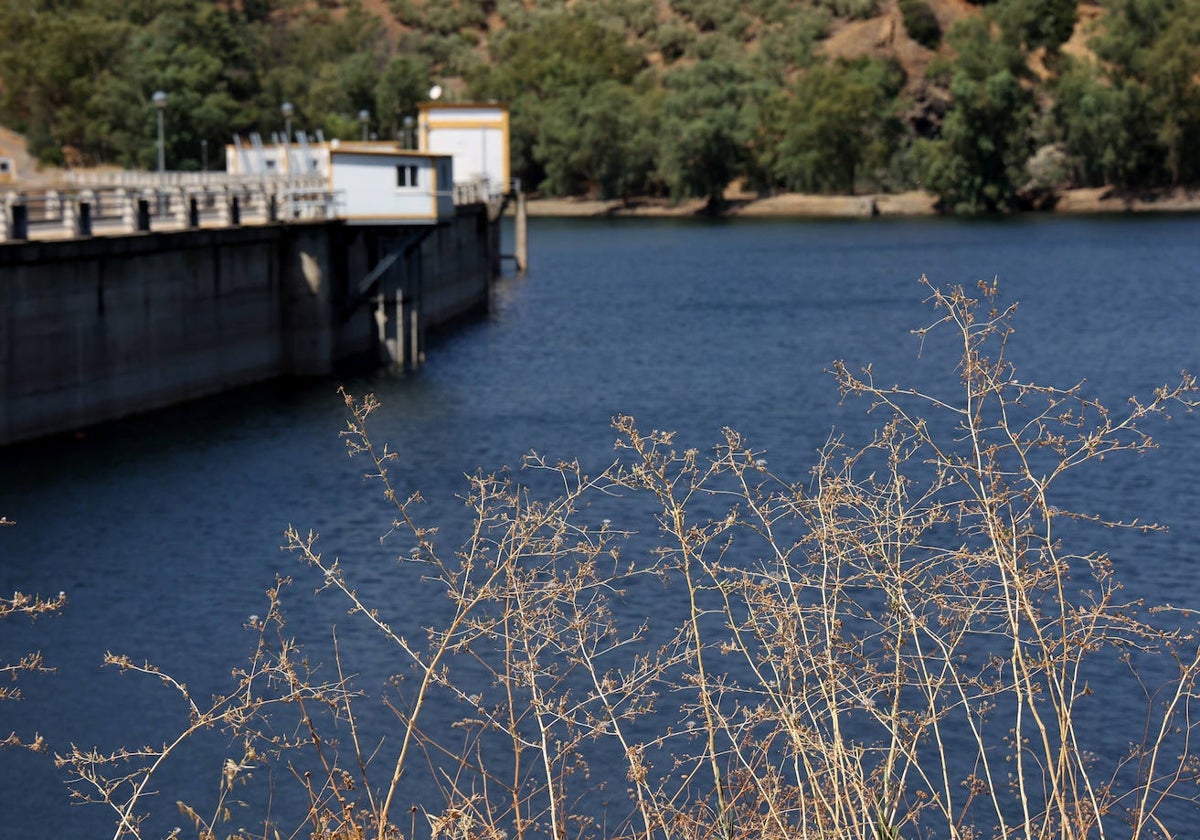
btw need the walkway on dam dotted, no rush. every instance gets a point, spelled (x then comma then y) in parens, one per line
(124, 202)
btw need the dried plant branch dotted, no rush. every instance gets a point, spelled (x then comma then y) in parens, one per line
(906, 644)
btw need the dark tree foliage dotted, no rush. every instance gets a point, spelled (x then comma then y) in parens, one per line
(705, 132)
(1037, 23)
(841, 119)
(567, 80)
(921, 23)
(620, 98)
(1151, 50)
(978, 162)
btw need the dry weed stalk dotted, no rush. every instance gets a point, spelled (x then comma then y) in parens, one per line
(31, 606)
(123, 779)
(900, 646)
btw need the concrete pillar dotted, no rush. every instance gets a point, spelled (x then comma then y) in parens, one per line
(381, 327)
(6, 216)
(399, 318)
(391, 327)
(129, 204)
(224, 206)
(416, 356)
(69, 214)
(183, 207)
(522, 233)
(54, 204)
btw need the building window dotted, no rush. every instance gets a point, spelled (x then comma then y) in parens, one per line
(5, 165)
(406, 176)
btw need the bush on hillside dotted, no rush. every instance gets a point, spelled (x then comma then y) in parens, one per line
(921, 23)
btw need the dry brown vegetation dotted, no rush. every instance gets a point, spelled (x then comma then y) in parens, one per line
(905, 643)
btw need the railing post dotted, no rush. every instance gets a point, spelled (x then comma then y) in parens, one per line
(225, 207)
(54, 205)
(6, 220)
(128, 199)
(68, 216)
(183, 212)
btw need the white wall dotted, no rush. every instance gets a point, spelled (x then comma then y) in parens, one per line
(368, 188)
(475, 135)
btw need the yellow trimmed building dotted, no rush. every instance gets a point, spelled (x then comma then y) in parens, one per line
(476, 135)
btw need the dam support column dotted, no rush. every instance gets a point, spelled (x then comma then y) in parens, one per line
(522, 233)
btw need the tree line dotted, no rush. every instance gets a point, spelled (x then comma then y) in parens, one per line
(625, 98)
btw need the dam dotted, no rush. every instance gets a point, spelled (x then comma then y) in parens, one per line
(127, 292)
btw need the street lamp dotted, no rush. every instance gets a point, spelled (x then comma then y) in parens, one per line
(364, 117)
(287, 110)
(160, 102)
(408, 124)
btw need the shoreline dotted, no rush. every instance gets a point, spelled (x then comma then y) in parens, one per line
(1086, 200)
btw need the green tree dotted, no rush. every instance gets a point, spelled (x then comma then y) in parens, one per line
(842, 118)
(977, 163)
(605, 144)
(54, 62)
(1174, 82)
(921, 23)
(1107, 128)
(400, 87)
(1037, 23)
(547, 70)
(1134, 119)
(704, 129)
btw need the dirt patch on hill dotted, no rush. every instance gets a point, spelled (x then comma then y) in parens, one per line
(884, 36)
(12, 145)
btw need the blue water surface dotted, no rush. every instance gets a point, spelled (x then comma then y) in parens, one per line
(164, 530)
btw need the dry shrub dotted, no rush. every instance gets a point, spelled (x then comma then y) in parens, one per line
(904, 644)
(30, 606)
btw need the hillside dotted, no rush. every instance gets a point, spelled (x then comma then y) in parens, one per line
(990, 107)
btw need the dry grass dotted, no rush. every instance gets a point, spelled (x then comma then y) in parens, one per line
(18, 605)
(900, 645)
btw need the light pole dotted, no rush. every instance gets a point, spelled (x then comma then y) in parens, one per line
(287, 109)
(408, 138)
(160, 102)
(364, 117)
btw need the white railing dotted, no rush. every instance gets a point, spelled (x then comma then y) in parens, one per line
(117, 202)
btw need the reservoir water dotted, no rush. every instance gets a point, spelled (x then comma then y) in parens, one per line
(165, 530)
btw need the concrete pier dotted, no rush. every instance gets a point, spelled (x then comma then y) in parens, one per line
(92, 329)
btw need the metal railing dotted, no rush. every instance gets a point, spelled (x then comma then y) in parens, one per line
(121, 202)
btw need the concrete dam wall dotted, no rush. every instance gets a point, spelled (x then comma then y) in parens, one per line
(97, 328)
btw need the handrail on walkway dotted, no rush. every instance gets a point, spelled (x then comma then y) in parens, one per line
(123, 202)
